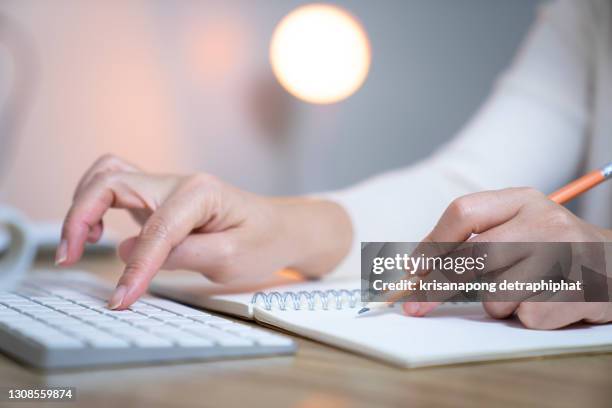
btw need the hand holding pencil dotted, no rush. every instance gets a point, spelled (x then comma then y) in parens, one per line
(519, 215)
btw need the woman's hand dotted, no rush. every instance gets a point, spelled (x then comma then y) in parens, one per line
(197, 222)
(519, 215)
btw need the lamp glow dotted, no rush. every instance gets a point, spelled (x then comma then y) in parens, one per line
(320, 53)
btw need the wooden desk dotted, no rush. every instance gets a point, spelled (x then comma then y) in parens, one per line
(321, 376)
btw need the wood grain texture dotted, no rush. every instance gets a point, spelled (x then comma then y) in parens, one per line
(320, 376)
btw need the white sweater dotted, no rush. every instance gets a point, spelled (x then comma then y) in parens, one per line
(548, 119)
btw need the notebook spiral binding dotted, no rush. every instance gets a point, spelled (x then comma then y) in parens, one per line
(341, 298)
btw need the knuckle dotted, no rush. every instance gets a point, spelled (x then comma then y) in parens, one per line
(134, 271)
(72, 222)
(109, 162)
(532, 315)
(560, 218)
(108, 158)
(222, 274)
(460, 207)
(155, 229)
(105, 178)
(498, 310)
(213, 274)
(228, 250)
(225, 269)
(200, 180)
(219, 275)
(133, 268)
(530, 191)
(598, 312)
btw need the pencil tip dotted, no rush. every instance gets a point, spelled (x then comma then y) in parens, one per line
(363, 310)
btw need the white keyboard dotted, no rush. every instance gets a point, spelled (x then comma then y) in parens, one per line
(59, 319)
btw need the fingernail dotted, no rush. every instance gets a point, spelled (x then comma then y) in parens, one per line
(117, 298)
(413, 308)
(62, 253)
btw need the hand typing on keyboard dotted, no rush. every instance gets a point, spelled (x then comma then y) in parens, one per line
(61, 320)
(200, 223)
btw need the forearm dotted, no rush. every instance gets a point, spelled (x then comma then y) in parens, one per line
(317, 234)
(539, 103)
(606, 234)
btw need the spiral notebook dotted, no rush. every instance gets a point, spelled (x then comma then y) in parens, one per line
(326, 311)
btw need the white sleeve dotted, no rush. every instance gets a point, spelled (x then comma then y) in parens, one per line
(530, 132)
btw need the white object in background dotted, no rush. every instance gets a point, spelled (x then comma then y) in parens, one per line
(47, 235)
(5, 240)
(17, 247)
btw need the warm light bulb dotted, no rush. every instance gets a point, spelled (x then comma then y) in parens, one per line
(320, 53)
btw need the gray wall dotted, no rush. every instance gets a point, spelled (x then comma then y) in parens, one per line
(119, 77)
(434, 61)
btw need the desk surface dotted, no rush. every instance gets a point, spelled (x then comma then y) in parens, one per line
(320, 376)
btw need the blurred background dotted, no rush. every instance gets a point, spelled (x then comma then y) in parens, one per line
(188, 87)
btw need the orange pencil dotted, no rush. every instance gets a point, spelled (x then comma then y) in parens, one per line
(561, 196)
(579, 186)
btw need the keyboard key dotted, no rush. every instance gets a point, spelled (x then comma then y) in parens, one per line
(194, 341)
(209, 318)
(162, 330)
(8, 296)
(92, 302)
(15, 318)
(29, 291)
(9, 312)
(145, 308)
(63, 318)
(83, 313)
(48, 313)
(234, 342)
(68, 293)
(84, 332)
(131, 331)
(149, 323)
(241, 328)
(58, 341)
(133, 317)
(150, 341)
(31, 308)
(69, 308)
(175, 307)
(34, 328)
(226, 325)
(51, 301)
(255, 333)
(122, 313)
(274, 341)
(106, 341)
(46, 299)
(115, 327)
(180, 321)
(160, 315)
(92, 319)
(222, 338)
(106, 311)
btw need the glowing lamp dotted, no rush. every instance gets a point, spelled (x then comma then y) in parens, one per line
(320, 53)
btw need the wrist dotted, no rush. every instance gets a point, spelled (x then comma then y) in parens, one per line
(319, 234)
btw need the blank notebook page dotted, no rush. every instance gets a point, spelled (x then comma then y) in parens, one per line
(451, 334)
